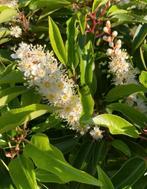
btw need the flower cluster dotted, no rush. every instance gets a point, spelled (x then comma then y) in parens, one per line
(42, 71)
(119, 66)
(9, 3)
(15, 31)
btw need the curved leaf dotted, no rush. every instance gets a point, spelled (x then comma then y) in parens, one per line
(116, 125)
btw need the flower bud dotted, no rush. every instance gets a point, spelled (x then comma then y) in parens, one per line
(109, 52)
(111, 44)
(114, 34)
(108, 24)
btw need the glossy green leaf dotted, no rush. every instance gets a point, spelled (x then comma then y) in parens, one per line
(17, 117)
(129, 173)
(98, 3)
(22, 173)
(122, 91)
(140, 35)
(9, 94)
(87, 103)
(131, 113)
(143, 78)
(57, 42)
(121, 146)
(106, 182)
(71, 45)
(46, 176)
(49, 158)
(14, 76)
(116, 125)
(6, 14)
(51, 5)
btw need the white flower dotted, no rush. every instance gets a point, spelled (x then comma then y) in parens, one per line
(96, 133)
(42, 71)
(16, 31)
(119, 66)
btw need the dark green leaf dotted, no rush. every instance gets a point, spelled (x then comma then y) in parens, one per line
(121, 146)
(106, 182)
(129, 173)
(122, 91)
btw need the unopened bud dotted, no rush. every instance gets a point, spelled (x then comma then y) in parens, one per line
(105, 38)
(106, 30)
(114, 34)
(109, 52)
(108, 24)
(118, 44)
(111, 44)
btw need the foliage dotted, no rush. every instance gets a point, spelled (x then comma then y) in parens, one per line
(95, 137)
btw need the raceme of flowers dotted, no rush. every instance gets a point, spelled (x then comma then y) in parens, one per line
(121, 68)
(42, 71)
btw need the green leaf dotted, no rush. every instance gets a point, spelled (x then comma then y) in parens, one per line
(116, 125)
(57, 42)
(129, 173)
(6, 14)
(143, 78)
(14, 76)
(98, 3)
(71, 45)
(81, 16)
(30, 97)
(87, 103)
(51, 5)
(121, 146)
(22, 173)
(17, 117)
(122, 91)
(131, 113)
(106, 182)
(49, 158)
(141, 183)
(9, 94)
(139, 37)
(46, 176)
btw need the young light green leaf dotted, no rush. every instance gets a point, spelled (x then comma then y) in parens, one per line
(22, 173)
(143, 78)
(57, 42)
(116, 125)
(106, 182)
(6, 14)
